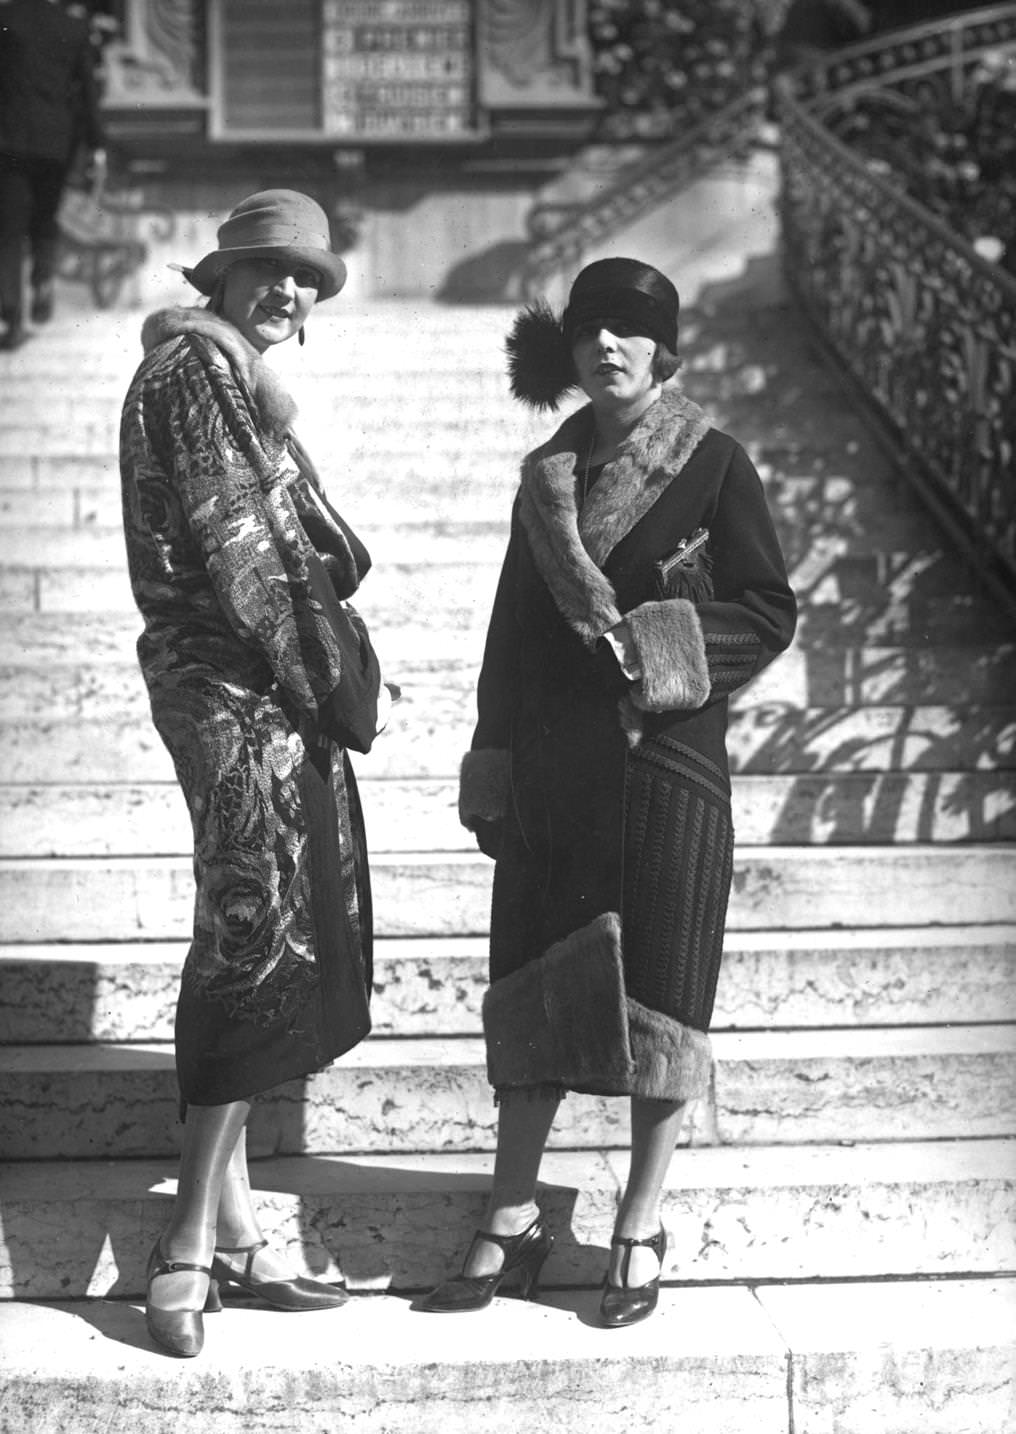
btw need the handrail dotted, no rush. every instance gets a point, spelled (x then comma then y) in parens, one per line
(640, 186)
(949, 38)
(924, 326)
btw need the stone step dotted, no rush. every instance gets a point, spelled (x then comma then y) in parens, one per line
(850, 588)
(431, 1094)
(433, 986)
(843, 808)
(928, 1355)
(456, 441)
(488, 384)
(413, 543)
(839, 554)
(456, 596)
(353, 399)
(45, 675)
(813, 498)
(448, 894)
(816, 676)
(74, 1228)
(429, 732)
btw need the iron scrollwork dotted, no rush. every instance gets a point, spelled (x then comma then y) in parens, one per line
(105, 237)
(560, 235)
(925, 325)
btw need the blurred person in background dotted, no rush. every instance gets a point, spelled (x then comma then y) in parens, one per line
(48, 109)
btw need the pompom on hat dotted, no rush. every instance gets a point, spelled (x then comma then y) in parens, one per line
(539, 345)
(278, 224)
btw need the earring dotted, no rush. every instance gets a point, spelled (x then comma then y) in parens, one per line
(301, 337)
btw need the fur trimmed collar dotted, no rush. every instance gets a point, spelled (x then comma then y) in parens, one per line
(570, 547)
(273, 405)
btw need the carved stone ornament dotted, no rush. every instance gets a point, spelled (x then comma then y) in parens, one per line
(533, 54)
(159, 62)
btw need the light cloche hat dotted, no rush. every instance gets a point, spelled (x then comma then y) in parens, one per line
(280, 223)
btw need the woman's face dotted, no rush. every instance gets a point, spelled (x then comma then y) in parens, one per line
(614, 364)
(268, 299)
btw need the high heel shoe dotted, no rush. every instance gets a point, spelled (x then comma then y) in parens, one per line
(296, 1294)
(179, 1332)
(525, 1253)
(623, 1304)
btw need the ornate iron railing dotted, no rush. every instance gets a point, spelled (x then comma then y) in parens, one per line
(105, 236)
(925, 326)
(561, 234)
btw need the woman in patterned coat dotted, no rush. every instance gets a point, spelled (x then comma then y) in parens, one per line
(643, 583)
(260, 676)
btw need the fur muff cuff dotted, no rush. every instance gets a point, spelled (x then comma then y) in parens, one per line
(672, 1061)
(672, 654)
(483, 785)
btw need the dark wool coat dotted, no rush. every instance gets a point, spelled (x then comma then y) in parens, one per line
(606, 801)
(254, 668)
(48, 96)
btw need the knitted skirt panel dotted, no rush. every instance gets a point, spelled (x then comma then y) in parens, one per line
(678, 865)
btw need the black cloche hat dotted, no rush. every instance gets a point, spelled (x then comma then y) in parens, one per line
(539, 345)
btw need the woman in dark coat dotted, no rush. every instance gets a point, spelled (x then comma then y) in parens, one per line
(260, 676)
(643, 583)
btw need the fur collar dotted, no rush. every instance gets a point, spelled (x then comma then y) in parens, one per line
(570, 548)
(272, 404)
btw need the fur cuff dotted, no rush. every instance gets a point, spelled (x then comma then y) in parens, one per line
(483, 785)
(562, 1020)
(672, 654)
(672, 1061)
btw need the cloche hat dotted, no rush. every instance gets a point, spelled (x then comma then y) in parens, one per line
(280, 223)
(539, 345)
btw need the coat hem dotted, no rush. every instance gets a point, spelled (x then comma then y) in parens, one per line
(565, 1021)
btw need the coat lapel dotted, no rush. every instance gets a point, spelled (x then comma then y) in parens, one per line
(652, 455)
(570, 548)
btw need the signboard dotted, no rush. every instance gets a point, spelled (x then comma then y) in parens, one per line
(397, 68)
(356, 70)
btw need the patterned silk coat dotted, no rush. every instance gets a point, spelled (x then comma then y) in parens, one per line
(606, 801)
(256, 670)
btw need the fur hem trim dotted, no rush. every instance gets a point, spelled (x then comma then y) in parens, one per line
(527, 1094)
(484, 781)
(275, 407)
(672, 654)
(565, 1022)
(561, 1020)
(672, 1061)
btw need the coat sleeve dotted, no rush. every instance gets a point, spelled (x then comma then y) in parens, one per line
(484, 779)
(691, 653)
(235, 500)
(91, 127)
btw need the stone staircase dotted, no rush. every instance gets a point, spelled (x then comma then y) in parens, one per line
(842, 1216)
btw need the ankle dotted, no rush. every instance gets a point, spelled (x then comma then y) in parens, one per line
(637, 1222)
(227, 1238)
(185, 1242)
(511, 1219)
